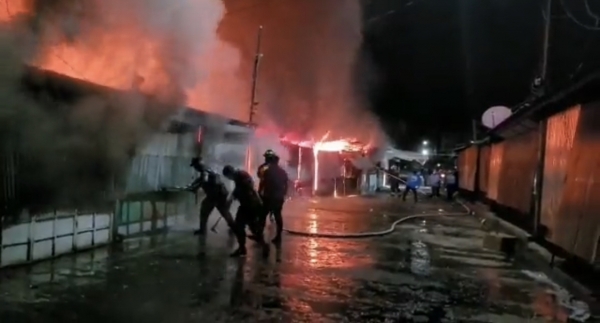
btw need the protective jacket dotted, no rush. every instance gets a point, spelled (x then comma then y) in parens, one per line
(273, 181)
(211, 184)
(244, 190)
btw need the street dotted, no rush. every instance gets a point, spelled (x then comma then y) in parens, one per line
(428, 270)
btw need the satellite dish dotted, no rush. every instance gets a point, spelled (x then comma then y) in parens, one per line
(494, 116)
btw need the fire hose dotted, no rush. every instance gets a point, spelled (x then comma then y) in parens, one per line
(390, 230)
(369, 234)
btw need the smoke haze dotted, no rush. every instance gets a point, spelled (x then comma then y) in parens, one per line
(74, 143)
(182, 52)
(307, 81)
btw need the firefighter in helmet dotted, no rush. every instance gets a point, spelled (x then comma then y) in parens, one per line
(272, 187)
(250, 209)
(216, 196)
(269, 156)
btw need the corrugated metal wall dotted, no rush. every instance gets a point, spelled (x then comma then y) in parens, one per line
(571, 179)
(515, 183)
(496, 159)
(484, 167)
(163, 161)
(8, 183)
(467, 165)
(559, 141)
(577, 215)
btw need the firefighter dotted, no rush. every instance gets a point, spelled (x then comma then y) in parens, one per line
(216, 196)
(268, 155)
(394, 181)
(273, 188)
(249, 210)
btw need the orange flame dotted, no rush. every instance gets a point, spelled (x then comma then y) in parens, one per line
(122, 49)
(11, 8)
(299, 163)
(340, 145)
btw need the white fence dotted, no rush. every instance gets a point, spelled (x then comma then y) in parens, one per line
(48, 238)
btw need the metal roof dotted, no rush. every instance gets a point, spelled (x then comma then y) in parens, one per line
(526, 117)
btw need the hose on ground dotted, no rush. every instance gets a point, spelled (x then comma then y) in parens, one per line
(370, 234)
(385, 171)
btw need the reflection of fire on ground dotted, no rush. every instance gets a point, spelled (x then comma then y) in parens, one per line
(546, 306)
(324, 259)
(492, 278)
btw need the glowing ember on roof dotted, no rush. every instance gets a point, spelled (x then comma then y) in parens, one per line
(339, 145)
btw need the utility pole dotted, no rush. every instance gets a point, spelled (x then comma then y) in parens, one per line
(547, 24)
(253, 94)
(465, 34)
(257, 59)
(542, 82)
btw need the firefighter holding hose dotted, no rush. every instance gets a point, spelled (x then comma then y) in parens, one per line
(249, 211)
(216, 196)
(272, 187)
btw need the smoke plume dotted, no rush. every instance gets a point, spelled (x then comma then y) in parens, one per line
(307, 76)
(180, 52)
(70, 144)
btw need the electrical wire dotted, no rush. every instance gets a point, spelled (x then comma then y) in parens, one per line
(377, 18)
(588, 44)
(590, 12)
(573, 18)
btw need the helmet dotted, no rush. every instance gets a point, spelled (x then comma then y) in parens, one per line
(271, 156)
(228, 170)
(196, 161)
(269, 153)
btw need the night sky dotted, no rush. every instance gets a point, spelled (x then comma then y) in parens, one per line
(440, 64)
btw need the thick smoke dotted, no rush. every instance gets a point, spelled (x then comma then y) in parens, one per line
(71, 145)
(172, 51)
(306, 81)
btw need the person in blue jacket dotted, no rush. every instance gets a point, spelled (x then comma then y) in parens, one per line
(412, 185)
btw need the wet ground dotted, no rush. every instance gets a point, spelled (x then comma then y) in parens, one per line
(429, 270)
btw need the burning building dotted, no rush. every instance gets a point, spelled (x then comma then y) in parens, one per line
(93, 151)
(118, 71)
(331, 166)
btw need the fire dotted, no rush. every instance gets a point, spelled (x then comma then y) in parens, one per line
(316, 169)
(12, 8)
(162, 49)
(339, 145)
(299, 163)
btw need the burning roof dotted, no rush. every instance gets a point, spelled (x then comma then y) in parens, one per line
(330, 145)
